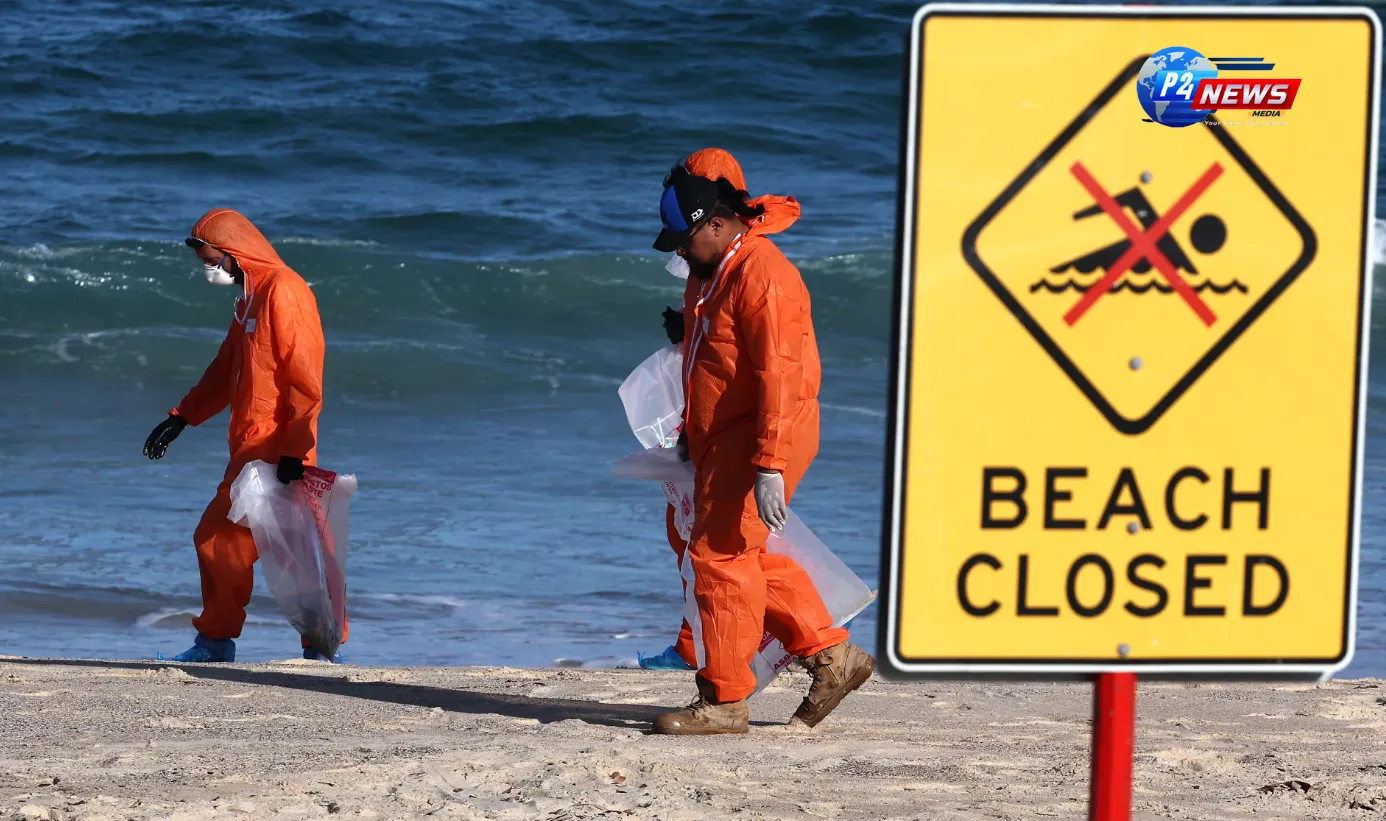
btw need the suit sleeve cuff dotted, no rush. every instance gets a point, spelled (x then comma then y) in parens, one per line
(768, 463)
(185, 416)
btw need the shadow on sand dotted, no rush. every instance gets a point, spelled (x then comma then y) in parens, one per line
(544, 710)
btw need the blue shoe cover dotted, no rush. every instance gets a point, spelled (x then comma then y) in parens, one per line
(208, 650)
(668, 660)
(313, 655)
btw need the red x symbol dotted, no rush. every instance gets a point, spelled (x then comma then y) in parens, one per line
(1143, 244)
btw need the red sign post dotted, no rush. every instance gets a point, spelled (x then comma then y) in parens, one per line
(1113, 747)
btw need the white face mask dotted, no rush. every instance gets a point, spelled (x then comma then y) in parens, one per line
(678, 266)
(218, 275)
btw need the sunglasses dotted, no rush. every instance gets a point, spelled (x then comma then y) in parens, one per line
(689, 239)
(195, 243)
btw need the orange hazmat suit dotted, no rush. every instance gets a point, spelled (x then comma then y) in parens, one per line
(269, 371)
(714, 164)
(752, 379)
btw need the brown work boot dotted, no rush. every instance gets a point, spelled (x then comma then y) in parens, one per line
(705, 716)
(836, 672)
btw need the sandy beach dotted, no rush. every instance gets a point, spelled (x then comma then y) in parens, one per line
(134, 740)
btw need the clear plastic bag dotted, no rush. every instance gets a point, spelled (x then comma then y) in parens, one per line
(844, 593)
(653, 398)
(300, 532)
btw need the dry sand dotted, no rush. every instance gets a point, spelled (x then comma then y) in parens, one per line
(125, 740)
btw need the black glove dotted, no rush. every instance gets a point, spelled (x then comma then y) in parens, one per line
(157, 444)
(290, 469)
(673, 325)
(683, 446)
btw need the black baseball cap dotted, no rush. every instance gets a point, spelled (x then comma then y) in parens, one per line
(686, 203)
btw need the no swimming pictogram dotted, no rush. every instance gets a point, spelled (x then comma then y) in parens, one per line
(1140, 262)
(1143, 246)
(1207, 235)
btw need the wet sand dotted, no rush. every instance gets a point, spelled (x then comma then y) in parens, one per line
(132, 740)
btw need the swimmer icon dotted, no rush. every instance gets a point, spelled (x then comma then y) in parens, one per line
(1206, 236)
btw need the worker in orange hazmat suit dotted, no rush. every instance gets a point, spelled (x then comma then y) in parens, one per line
(269, 371)
(778, 214)
(751, 386)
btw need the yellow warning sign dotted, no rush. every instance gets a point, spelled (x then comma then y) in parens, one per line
(1129, 384)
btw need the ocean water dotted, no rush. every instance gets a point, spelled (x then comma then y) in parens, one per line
(467, 186)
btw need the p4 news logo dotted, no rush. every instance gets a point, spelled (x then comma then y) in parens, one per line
(1178, 86)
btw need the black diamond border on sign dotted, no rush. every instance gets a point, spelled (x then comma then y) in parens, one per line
(1135, 427)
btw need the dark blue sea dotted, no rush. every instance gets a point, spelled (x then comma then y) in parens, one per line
(470, 188)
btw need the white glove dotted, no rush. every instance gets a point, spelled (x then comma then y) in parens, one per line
(770, 500)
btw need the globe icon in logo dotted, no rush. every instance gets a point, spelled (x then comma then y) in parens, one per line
(1167, 83)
